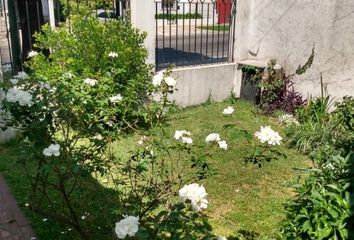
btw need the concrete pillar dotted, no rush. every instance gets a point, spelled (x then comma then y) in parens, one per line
(242, 29)
(241, 40)
(143, 18)
(51, 13)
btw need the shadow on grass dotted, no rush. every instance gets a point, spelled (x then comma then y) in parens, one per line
(94, 203)
(96, 207)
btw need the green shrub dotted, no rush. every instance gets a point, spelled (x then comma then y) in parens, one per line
(320, 128)
(316, 109)
(93, 89)
(322, 206)
(81, 51)
(309, 136)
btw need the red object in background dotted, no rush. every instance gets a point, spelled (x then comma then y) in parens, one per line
(223, 8)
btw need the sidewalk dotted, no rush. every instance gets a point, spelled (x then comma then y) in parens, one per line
(13, 224)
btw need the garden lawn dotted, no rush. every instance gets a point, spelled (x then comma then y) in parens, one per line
(243, 198)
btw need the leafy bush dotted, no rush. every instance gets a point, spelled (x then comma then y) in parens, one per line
(322, 207)
(316, 109)
(275, 88)
(309, 136)
(320, 128)
(81, 51)
(288, 101)
(277, 93)
(102, 4)
(343, 119)
(73, 105)
(344, 113)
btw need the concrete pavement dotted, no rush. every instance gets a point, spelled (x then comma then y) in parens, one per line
(13, 224)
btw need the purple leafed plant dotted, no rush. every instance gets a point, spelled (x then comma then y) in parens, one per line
(288, 101)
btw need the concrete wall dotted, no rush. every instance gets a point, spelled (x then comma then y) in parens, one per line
(286, 30)
(143, 17)
(196, 84)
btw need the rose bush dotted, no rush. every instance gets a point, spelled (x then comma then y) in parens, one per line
(73, 105)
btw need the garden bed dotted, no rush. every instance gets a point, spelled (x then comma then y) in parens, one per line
(243, 198)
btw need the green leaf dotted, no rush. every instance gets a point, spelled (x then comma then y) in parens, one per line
(324, 233)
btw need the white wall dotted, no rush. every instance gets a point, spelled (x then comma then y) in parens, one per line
(196, 84)
(143, 18)
(287, 29)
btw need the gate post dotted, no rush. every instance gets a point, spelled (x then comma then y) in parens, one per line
(143, 17)
(51, 13)
(14, 38)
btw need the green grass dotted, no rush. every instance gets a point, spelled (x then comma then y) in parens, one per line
(221, 28)
(12, 169)
(243, 197)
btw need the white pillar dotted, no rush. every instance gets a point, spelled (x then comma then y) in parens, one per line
(143, 18)
(241, 40)
(51, 13)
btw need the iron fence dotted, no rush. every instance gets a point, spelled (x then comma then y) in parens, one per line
(20, 19)
(194, 32)
(188, 32)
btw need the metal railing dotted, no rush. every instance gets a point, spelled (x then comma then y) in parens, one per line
(194, 32)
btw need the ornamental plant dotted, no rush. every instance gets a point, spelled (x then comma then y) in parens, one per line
(72, 107)
(276, 91)
(323, 205)
(275, 87)
(263, 151)
(148, 181)
(215, 138)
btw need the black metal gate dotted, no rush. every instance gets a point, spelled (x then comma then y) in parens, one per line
(194, 32)
(20, 19)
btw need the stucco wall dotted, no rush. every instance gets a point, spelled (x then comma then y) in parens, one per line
(196, 84)
(286, 30)
(142, 15)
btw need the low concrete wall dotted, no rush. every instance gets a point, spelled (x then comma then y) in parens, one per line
(286, 30)
(196, 84)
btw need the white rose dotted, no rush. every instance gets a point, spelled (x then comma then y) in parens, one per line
(32, 54)
(228, 111)
(156, 81)
(212, 137)
(196, 194)
(223, 145)
(128, 226)
(116, 98)
(170, 81)
(52, 150)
